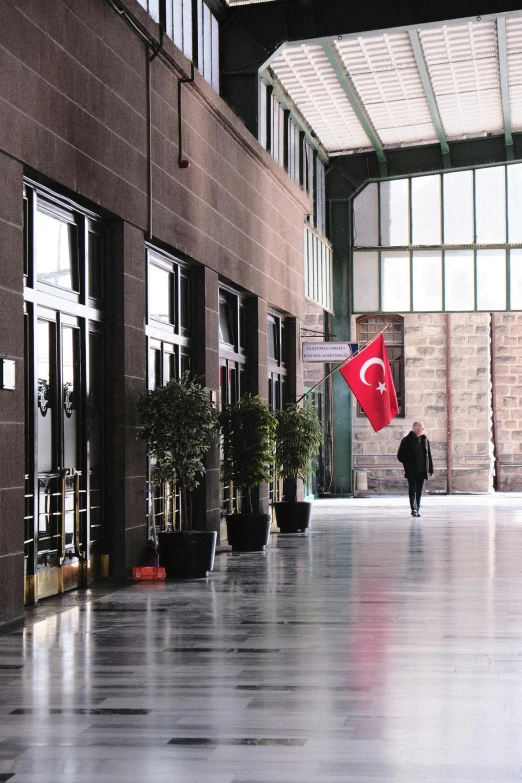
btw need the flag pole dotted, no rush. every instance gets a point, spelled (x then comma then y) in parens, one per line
(346, 361)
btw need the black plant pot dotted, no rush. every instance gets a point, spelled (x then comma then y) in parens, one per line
(248, 532)
(187, 554)
(291, 517)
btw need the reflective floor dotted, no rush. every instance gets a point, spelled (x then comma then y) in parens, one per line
(377, 648)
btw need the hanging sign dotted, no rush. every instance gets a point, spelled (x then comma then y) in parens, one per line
(328, 352)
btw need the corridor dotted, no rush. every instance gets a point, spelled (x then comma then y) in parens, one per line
(376, 648)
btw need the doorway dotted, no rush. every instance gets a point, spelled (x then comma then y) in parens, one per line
(66, 522)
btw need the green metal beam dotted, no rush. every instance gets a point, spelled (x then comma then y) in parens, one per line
(504, 85)
(351, 93)
(430, 97)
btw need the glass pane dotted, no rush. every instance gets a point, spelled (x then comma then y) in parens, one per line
(207, 43)
(56, 254)
(458, 208)
(395, 212)
(187, 28)
(490, 193)
(459, 280)
(96, 399)
(154, 368)
(365, 282)
(425, 210)
(226, 330)
(95, 260)
(44, 420)
(515, 279)
(427, 280)
(199, 4)
(272, 339)
(491, 279)
(160, 294)
(215, 54)
(177, 23)
(514, 175)
(395, 282)
(184, 283)
(185, 363)
(366, 217)
(70, 392)
(242, 326)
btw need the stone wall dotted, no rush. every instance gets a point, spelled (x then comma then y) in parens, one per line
(508, 387)
(425, 337)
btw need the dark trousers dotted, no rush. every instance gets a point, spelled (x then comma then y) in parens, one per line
(415, 484)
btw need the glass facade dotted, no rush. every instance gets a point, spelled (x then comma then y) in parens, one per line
(439, 242)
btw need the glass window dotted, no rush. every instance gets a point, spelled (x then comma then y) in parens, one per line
(184, 286)
(96, 251)
(427, 280)
(56, 251)
(395, 281)
(515, 279)
(491, 279)
(490, 189)
(514, 175)
(458, 208)
(365, 281)
(226, 321)
(273, 339)
(366, 217)
(425, 210)
(459, 280)
(395, 212)
(367, 327)
(160, 294)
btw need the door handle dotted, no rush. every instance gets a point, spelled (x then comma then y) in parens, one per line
(64, 474)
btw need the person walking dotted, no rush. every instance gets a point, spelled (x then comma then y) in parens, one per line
(415, 455)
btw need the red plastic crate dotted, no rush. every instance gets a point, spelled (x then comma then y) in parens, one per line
(143, 573)
(159, 574)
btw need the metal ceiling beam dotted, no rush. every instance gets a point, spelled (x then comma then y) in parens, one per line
(430, 97)
(346, 83)
(504, 86)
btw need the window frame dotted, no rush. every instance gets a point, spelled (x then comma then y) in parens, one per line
(397, 363)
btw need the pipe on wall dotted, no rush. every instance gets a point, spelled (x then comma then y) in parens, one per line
(449, 432)
(494, 423)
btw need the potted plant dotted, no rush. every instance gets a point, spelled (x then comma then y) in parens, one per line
(298, 437)
(247, 432)
(178, 421)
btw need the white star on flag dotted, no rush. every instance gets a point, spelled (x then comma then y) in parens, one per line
(381, 387)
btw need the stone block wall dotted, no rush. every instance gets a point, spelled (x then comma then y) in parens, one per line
(425, 345)
(508, 388)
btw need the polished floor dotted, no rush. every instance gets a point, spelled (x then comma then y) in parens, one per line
(377, 648)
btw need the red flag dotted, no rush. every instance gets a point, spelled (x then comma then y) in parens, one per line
(369, 377)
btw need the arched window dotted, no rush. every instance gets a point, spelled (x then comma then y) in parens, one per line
(367, 327)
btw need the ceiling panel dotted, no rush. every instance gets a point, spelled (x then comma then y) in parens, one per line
(463, 67)
(310, 81)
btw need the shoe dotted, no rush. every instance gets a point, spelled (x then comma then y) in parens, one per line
(418, 513)
(414, 513)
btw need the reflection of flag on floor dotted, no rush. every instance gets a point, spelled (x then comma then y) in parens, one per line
(369, 377)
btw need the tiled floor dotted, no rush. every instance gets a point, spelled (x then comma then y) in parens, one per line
(375, 649)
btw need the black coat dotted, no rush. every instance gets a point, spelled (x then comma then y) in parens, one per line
(406, 455)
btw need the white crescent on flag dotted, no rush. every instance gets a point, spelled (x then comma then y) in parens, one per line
(368, 364)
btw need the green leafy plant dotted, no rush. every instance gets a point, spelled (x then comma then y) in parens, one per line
(248, 438)
(298, 438)
(178, 422)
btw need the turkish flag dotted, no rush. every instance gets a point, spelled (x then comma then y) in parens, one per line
(369, 377)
